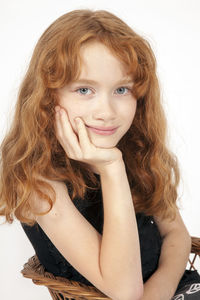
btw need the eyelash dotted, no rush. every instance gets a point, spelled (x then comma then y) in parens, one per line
(77, 90)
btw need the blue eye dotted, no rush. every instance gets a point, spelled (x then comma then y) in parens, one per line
(87, 91)
(83, 91)
(121, 90)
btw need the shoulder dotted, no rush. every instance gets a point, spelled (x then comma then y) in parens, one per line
(166, 226)
(57, 198)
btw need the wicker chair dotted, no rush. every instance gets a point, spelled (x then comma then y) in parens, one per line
(61, 288)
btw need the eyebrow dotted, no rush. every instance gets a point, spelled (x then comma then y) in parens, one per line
(90, 81)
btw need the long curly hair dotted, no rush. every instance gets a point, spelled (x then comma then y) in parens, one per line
(30, 149)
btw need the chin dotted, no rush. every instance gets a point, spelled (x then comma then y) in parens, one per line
(105, 145)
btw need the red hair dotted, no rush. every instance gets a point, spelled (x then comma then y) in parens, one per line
(30, 148)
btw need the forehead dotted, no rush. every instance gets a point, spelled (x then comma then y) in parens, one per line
(98, 60)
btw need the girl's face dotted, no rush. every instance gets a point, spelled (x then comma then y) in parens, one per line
(101, 96)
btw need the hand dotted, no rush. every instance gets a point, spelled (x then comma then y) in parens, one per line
(80, 147)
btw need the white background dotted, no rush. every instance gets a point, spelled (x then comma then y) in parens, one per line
(173, 29)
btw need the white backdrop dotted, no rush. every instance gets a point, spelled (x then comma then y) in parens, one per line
(173, 29)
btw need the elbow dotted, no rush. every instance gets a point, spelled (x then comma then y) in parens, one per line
(136, 294)
(141, 292)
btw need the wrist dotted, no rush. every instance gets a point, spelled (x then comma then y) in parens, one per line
(114, 168)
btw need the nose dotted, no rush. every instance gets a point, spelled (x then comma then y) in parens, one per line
(104, 108)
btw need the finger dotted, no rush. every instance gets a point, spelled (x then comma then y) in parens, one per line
(84, 140)
(68, 138)
(59, 131)
(57, 125)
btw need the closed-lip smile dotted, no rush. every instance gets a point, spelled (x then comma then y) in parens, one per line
(102, 128)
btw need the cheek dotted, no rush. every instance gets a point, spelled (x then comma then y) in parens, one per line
(73, 112)
(129, 113)
(72, 109)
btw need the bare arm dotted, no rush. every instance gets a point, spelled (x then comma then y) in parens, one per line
(120, 261)
(173, 260)
(114, 258)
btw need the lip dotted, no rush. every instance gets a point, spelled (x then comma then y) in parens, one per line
(103, 128)
(102, 132)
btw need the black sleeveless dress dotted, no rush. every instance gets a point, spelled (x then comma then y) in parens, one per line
(92, 209)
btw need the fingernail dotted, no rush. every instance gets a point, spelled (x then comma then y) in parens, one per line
(78, 120)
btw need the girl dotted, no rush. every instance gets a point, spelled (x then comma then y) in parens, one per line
(85, 167)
